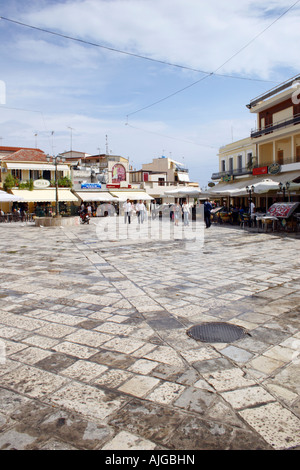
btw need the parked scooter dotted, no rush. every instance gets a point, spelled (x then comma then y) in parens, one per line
(84, 218)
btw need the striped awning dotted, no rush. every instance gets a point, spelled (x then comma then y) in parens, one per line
(35, 166)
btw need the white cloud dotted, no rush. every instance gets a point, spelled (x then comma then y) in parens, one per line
(197, 33)
(93, 89)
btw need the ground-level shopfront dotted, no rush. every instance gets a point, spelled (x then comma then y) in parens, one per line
(42, 202)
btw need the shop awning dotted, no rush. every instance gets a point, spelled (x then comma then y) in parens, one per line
(132, 195)
(35, 166)
(261, 184)
(94, 196)
(183, 191)
(45, 195)
(6, 197)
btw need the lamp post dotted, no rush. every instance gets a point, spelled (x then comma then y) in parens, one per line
(56, 160)
(250, 190)
(283, 188)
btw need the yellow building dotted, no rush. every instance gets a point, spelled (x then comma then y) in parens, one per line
(271, 152)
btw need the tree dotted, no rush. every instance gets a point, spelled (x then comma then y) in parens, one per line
(9, 183)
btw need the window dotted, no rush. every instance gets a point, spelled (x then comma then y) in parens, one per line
(17, 174)
(280, 157)
(240, 162)
(249, 160)
(223, 166)
(231, 164)
(34, 174)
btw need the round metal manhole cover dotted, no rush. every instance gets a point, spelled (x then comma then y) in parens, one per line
(216, 332)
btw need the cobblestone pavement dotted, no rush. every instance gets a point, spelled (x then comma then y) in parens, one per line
(95, 352)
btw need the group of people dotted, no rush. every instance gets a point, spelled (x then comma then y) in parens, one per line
(177, 211)
(140, 209)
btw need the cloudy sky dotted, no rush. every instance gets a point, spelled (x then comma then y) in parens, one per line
(157, 77)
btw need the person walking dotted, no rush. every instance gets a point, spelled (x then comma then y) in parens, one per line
(177, 213)
(207, 211)
(153, 209)
(186, 213)
(140, 211)
(127, 206)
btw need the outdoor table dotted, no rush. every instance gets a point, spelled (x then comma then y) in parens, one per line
(264, 220)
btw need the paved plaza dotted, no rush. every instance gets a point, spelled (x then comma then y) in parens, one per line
(94, 350)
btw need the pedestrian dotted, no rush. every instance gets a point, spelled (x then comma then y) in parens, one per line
(153, 209)
(177, 213)
(140, 211)
(186, 213)
(145, 212)
(207, 213)
(127, 206)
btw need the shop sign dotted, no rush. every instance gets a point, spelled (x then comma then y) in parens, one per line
(263, 170)
(226, 178)
(41, 184)
(274, 169)
(90, 186)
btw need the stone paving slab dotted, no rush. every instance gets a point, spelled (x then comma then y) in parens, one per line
(94, 351)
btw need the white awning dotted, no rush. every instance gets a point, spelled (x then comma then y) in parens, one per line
(45, 195)
(183, 177)
(132, 195)
(6, 197)
(261, 185)
(35, 166)
(95, 196)
(183, 191)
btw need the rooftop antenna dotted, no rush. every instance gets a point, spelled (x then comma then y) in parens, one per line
(35, 135)
(52, 133)
(107, 152)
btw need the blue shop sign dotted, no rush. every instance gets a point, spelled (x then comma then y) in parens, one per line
(90, 186)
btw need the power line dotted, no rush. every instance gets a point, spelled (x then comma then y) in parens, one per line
(172, 138)
(119, 51)
(215, 72)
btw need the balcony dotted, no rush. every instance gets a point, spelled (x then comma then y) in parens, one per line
(277, 125)
(287, 164)
(228, 173)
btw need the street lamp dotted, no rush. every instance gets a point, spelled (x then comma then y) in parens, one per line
(250, 190)
(56, 160)
(283, 188)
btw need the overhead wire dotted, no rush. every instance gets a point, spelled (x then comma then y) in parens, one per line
(209, 74)
(206, 74)
(170, 137)
(132, 54)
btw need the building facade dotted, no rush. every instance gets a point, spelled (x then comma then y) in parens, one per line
(32, 176)
(161, 175)
(271, 151)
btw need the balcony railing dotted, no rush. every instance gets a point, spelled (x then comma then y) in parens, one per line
(236, 172)
(277, 125)
(248, 171)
